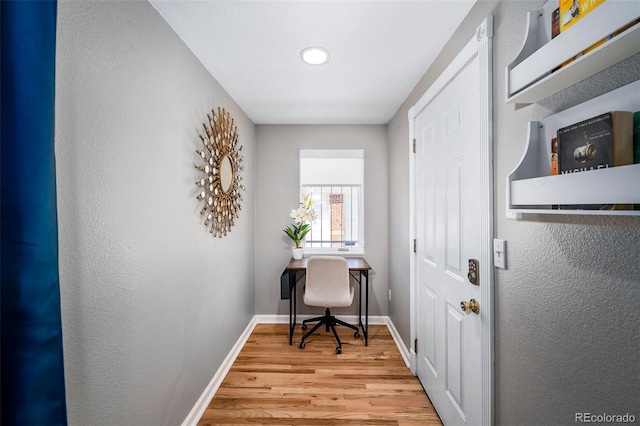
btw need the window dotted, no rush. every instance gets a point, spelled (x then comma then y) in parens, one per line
(334, 178)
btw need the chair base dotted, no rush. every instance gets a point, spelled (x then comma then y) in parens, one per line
(329, 321)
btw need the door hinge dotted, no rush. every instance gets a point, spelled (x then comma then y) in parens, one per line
(415, 345)
(415, 245)
(414, 145)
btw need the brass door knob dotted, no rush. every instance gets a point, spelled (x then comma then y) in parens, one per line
(471, 305)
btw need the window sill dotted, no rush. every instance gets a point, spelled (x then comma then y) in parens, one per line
(329, 252)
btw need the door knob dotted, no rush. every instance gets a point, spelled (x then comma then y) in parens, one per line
(471, 305)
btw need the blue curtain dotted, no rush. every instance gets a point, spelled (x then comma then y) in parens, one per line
(32, 365)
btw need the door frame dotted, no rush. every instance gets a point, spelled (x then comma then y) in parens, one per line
(479, 46)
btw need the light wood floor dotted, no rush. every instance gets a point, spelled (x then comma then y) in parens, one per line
(273, 383)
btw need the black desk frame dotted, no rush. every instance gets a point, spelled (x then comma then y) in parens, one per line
(362, 276)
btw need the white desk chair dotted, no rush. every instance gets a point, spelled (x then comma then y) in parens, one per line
(327, 285)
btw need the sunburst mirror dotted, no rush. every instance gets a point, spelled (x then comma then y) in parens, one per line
(222, 164)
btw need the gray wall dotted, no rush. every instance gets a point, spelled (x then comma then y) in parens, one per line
(278, 191)
(566, 310)
(151, 302)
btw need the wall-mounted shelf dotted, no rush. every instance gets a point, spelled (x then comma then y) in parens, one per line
(529, 78)
(531, 189)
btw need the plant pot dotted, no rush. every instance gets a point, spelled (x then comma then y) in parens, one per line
(297, 252)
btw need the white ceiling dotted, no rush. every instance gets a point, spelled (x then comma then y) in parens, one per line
(379, 51)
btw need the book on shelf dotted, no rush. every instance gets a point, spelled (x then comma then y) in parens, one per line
(554, 155)
(636, 137)
(571, 11)
(554, 160)
(636, 144)
(555, 23)
(599, 142)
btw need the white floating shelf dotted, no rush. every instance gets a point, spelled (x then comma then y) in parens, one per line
(529, 78)
(592, 187)
(531, 189)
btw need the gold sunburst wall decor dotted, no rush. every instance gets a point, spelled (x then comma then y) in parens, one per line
(222, 164)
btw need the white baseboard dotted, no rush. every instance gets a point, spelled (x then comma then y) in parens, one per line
(399, 343)
(203, 402)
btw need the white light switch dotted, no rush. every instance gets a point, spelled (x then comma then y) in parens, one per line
(500, 253)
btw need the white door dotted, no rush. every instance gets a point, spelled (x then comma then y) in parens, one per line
(449, 177)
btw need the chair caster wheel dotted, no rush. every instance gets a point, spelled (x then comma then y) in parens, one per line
(304, 326)
(356, 334)
(338, 350)
(301, 345)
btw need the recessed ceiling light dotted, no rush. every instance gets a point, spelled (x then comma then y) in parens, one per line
(315, 55)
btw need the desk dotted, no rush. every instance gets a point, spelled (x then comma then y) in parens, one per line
(358, 269)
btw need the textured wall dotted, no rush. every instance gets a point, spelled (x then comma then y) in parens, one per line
(277, 192)
(151, 303)
(567, 318)
(566, 310)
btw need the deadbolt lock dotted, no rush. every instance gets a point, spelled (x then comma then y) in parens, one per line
(471, 305)
(473, 272)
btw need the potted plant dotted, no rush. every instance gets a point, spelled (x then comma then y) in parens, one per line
(303, 217)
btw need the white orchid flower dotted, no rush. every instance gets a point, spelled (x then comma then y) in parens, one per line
(297, 215)
(310, 216)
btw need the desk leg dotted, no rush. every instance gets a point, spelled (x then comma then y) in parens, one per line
(365, 327)
(366, 306)
(292, 305)
(360, 304)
